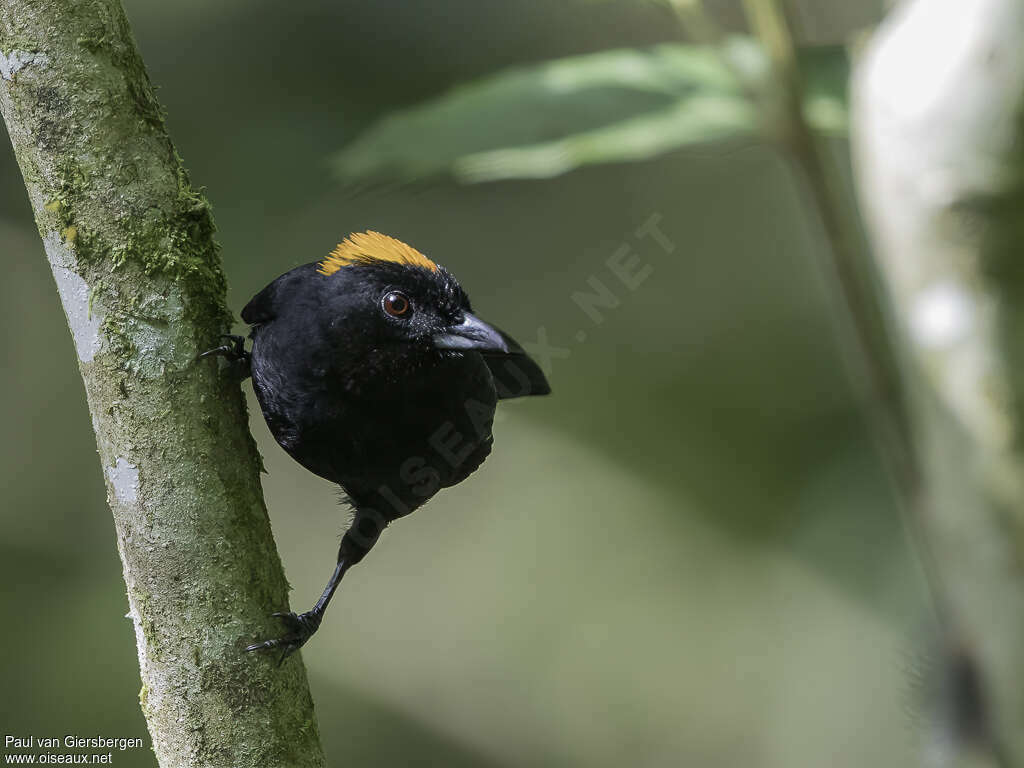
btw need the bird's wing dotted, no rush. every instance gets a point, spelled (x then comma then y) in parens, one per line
(263, 307)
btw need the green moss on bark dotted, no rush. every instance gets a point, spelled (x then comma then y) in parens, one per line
(131, 243)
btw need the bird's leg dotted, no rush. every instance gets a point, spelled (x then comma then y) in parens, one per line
(357, 541)
(302, 626)
(234, 352)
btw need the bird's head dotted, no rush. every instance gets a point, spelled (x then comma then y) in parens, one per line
(387, 292)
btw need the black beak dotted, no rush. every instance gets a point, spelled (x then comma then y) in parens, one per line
(471, 334)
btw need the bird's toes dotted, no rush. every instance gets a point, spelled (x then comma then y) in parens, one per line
(300, 627)
(265, 645)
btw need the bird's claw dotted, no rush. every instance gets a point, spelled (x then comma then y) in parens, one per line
(300, 627)
(233, 351)
(237, 356)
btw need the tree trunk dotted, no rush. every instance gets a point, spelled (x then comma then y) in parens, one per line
(939, 152)
(130, 242)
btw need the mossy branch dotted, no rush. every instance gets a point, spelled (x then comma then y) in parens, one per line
(130, 243)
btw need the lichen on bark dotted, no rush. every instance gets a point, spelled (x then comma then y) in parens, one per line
(130, 242)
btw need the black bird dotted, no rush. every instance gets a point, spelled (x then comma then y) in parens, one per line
(373, 372)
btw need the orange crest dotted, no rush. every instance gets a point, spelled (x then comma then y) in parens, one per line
(361, 248)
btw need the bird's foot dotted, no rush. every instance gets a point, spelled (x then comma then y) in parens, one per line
(234, 352)
(300, 628)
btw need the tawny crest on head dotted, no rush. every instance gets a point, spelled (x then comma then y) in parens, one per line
(362, 248)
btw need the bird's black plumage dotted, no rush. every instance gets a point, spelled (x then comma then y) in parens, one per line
(372, 371)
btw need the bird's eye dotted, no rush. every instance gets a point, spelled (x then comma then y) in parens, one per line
(396, 304)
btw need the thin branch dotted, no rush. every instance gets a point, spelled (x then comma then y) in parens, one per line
(850, 265)
(867, 345)
(696, 21)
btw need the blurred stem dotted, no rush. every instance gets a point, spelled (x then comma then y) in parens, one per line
(866, 342)
(696, 22)
(851, 266)
(130, 244)
(938, 143)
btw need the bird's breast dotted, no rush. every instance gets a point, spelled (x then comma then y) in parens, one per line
(394, 441)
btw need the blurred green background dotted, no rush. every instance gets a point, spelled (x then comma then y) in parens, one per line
(687, 556)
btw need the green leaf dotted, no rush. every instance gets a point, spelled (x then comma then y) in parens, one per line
(614, 106)
(698, 119)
